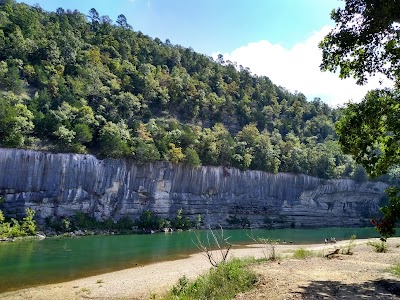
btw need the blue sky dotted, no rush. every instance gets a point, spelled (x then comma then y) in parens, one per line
(213, 25)
(275, 38)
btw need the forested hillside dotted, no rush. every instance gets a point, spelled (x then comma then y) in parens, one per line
(80, 83)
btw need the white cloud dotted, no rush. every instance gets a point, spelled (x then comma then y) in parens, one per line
(297, 69)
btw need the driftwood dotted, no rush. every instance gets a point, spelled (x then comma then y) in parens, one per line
(333, 253)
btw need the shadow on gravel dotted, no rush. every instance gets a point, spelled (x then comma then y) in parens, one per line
(377, 289)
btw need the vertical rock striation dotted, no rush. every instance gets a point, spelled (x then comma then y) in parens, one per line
(61, 184)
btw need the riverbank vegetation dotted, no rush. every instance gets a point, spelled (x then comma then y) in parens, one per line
(14, 228)
(251, 278)
(379, 246)
(147, 222)
(77, 83)
(222, 282)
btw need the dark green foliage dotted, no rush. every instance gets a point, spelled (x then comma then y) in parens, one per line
(359, 174)
(114, 140)
(83, 133)
(391, 214)
(370, 131)
(15, 123)
(235, 221)
(148, 220)
(192, 158)
(181, 222)
(83, 221)
(125, 223)
(363, 26)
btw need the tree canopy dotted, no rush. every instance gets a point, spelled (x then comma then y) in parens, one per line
(366, 41)
(370, 131)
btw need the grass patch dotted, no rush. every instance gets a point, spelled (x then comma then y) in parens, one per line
(86, 290)
(302, 253)
(100, 281)
(222, 282)
(396, 270)
(379, 246)
(348, 250)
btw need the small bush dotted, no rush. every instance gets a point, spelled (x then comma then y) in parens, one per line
(223, 282)
(302, 253)
(348, 250)
(380, 247)
(181, 222)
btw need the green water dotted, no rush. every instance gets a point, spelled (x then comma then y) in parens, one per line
(30, 263)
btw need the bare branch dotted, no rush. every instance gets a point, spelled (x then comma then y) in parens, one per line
(219, 243)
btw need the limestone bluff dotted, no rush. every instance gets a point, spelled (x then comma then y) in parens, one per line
(61, 184)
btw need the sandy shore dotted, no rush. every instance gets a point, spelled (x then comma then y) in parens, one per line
(145, 281)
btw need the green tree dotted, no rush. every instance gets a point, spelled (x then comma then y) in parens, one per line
(4, 226)
(146, 151)
(121, 21)
(175, 154)
(192, 158)
(16, 122)
(364, 42)
(148, 220)
(64, 135)
(28, 224)
(114, 140)
(370, 131)
(83, 133)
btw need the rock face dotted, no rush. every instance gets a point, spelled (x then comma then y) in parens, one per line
(62, 184)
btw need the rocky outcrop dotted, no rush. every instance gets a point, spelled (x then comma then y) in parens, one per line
(61, 184)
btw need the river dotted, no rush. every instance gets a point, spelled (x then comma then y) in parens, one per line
(30, 263)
